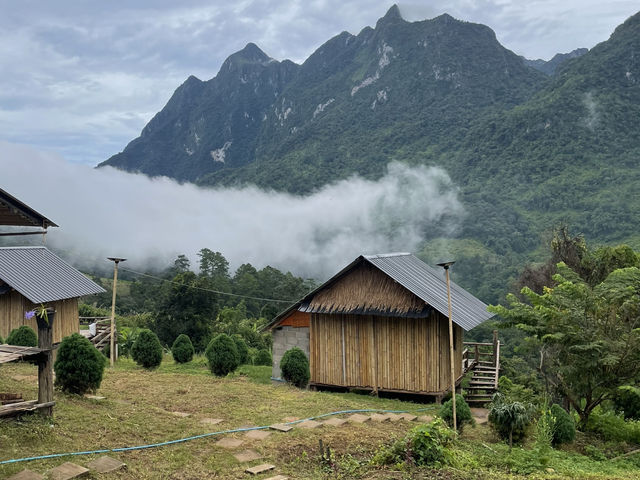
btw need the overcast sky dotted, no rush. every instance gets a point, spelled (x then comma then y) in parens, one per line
(81, 78)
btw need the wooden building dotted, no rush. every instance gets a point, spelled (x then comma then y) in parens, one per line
(380, 324)
(34, 276)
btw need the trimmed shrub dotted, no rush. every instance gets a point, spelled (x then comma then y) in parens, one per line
(23, 336)
(295, 367)
(222, 355)
(243, 350)
(627, 401)
(182, 349)
(263, 357)
(463, 412)
(79, 365)
(146, 350)
(565, 426)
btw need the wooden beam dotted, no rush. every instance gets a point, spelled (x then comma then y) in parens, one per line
(45, 364)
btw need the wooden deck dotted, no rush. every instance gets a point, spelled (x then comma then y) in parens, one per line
(13, 353)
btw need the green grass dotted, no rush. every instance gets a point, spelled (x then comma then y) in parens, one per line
(138, 410)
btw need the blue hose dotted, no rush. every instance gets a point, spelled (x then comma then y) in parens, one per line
(195, 437)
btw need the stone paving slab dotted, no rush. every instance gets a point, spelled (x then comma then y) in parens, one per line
(425, 418)
(247, 456)
(211, 421)
(106, 464)
(26, 474)
(67, 471)
(265, 467)
(30, 378)
(181, 414)
(358, 418)
(379, 417)
(335, 422)
(309, 424)
(394, 417)
(278, 477)
(290, 419)
(408, 417)
(94, 397)
(257, 434)
(228, 442)
(281, 427)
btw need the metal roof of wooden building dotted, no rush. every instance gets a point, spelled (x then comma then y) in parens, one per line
(423, 281)
(41, 276)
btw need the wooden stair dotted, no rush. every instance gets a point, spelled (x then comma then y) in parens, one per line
(483, 359)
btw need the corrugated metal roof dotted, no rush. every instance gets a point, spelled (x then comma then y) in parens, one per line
(426, 282)
(429, 284)
(41, 276)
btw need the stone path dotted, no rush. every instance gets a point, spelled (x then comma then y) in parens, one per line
(257, 434)
(104, 464)
(26, 475)
(67, 471)
(481, 415)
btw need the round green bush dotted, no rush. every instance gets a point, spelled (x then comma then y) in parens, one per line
(182, 349)
(222, 355)
(79, 365)
(146, 350)
(463, 412)
(295, 367)
(565, 427)
(263, 357)
(243, 350)
(23, 336)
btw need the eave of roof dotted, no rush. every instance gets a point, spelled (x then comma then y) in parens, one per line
(13, 212)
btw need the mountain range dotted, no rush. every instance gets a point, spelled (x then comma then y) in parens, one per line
(530, 144)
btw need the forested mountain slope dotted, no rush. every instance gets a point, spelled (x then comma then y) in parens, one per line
(527, 150)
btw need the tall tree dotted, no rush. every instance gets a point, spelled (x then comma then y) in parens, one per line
(588, 336)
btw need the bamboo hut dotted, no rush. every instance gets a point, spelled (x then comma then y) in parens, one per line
(380, 324)
(34, 276)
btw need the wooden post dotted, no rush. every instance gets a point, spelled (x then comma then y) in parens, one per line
(477, 354)
(45, 362)
(495, 348)
(446, 266)
(112, 332)
(344, 361)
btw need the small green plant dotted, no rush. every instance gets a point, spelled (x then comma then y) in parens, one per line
(565, 426)
(545, 428)
(509, 419)
(222, 355)
(146, 350)
(23, 336)
(463, 413)
(627, 401)
(295, 367)
(182, 349)
(424, 445)
(263, 357)
(79, 366)
(1, 340)
(126, 338)
(243, 350)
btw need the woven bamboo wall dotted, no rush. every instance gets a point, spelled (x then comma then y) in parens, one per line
(13, 307)
(383, 353)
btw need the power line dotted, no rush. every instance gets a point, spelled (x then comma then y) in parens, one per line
(207, 289)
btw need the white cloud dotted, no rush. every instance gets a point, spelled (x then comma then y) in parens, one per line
(107, 212)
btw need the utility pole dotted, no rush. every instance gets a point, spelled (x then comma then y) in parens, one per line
(446, 266)
(112, 344)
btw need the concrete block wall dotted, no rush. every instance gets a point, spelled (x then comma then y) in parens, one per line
(285, 338)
